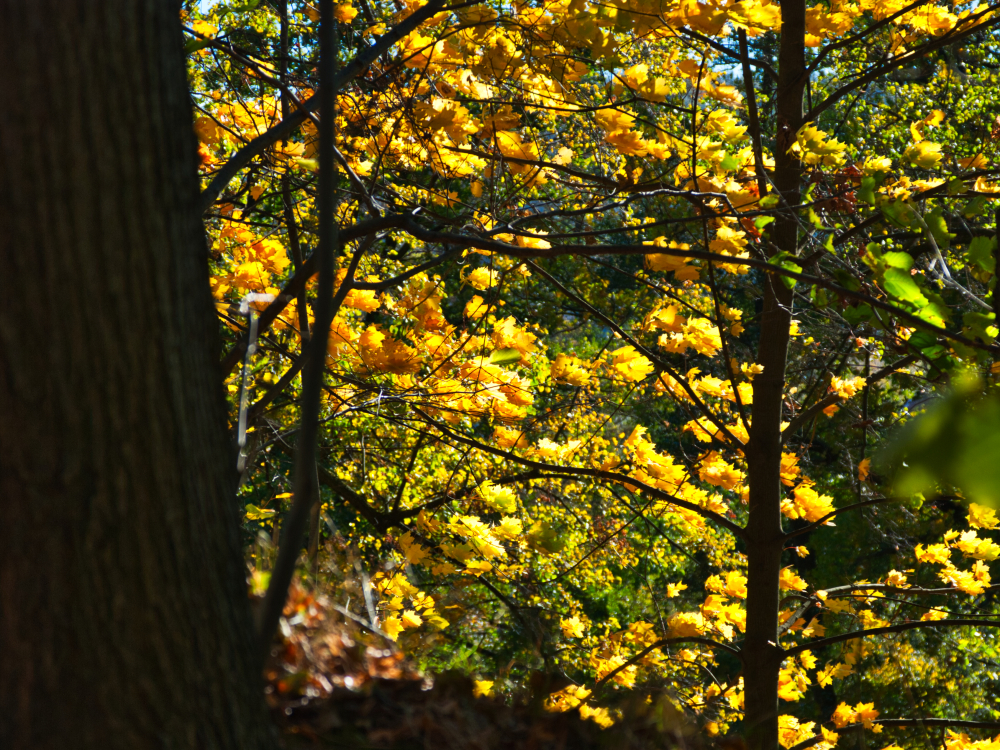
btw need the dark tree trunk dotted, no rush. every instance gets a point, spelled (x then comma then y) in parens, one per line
(124, 621)
(762, 657)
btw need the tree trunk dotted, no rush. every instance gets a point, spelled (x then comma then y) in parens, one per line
(123, 611)
(762, 657)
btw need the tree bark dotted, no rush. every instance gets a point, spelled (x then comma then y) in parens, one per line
(123, 610)
(762, 657)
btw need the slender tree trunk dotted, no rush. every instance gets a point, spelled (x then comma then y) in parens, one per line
(123, 611)
(762, 657)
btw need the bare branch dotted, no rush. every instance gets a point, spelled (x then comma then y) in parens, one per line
(846, 590)
(304, 478)
(660, 364)
(516, 251)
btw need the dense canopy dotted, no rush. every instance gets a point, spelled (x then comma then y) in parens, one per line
(627, 298)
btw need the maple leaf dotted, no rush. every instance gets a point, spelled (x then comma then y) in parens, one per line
(925, 154)
(981, 517)
(392, 626)
(572, 627)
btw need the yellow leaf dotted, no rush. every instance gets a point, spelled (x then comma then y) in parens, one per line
(392, 626)
(630, 364)
(974, 162)
(673, 589)
(925, 154)
(572, 627)
(344, 12)
(475, 308)
(482, 688)
(863, 469)
(981, 517)
(483, 278)
(411, 619)
(207, 131)
(789, 581)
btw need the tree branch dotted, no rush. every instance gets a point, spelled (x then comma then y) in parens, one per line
(833, 398)
(835, 592)
(580, 471)
(661, 365)
(516, 251)
(327, 305)
(290, 124)
(836, 511)
(667, 642)
(848, 41)
(297, 283)
(950, 38)
(886, 631)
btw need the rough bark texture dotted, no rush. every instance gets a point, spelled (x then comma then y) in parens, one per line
(762, 657)
(123, 610)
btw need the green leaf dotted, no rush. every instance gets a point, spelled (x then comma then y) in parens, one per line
(897, 214)
(249, 5)
(769, 201)
(901, 285)
(939, 228)
(819, 297)
(980, 326)
(974, 207)
(923, 340)
(858, 314)
(866, 192)
(783, 260)
(898, 260)
(730, 163)
(936, 312)
(253, 513)
(873, 257)
(954, 444)
(981, 253)
(934, 352)
(544, 538)
(762, 221)
(505, 356)
(846, 280)
(193, 45)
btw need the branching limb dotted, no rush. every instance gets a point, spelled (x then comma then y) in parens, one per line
(806, 416)
(516, 251)
(652, 356)
(580, 471)
(853, 506)
(888, 630)
(290, 124)
(911, 591)
(668, 642)
(953, 36)
(304, 477)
